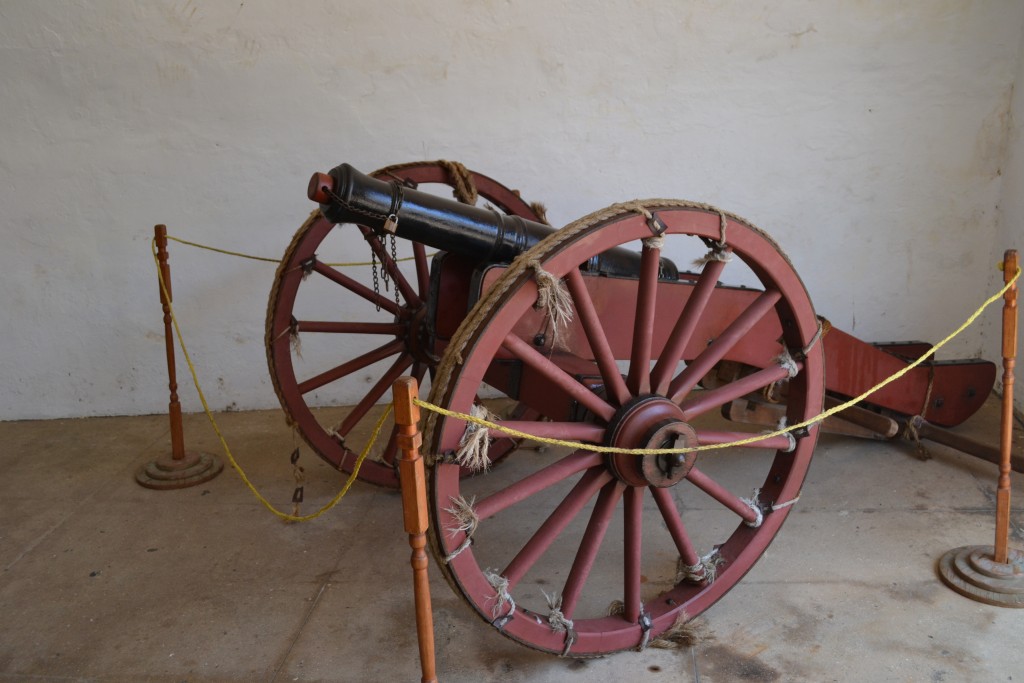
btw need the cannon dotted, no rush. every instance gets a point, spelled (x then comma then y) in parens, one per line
(304, 382)
(651, 356)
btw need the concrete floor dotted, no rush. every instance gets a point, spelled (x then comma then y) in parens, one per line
(106, 581)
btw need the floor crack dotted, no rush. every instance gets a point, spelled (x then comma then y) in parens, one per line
(279, 666)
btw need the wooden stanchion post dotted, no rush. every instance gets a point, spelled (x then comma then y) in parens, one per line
(994, 574)
(183, 468)
(1010, 264)
(414, 504)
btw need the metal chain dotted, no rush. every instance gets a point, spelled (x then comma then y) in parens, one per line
(394, 261)
(354, 209)
(385, 274)
(376, 284)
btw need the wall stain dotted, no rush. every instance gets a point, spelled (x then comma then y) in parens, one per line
(172, 72)
(992, 142)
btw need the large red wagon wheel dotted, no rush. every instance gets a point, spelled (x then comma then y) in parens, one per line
(350, 357)
(560, 574)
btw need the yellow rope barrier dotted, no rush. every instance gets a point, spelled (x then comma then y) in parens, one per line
(577, 445)
(594, 448)
(227, 451)
(351, 264)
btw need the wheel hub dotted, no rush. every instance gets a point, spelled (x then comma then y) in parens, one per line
(651, 422)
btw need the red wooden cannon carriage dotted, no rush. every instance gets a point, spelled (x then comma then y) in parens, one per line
(643, 353)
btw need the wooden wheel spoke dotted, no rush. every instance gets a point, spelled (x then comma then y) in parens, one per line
(374, 394)
(349, 328)
(569, 431)
(419, 371)
(639, 377)
(600, 518)
(351, 366)
(722, 495)
(778, 443)
(599, 345)
(633, 517)
(676, 528)
(684, 328)
(357, 288)
(391, 448)
(703, 363)
(566, 511)
(391, 267)
(422, 268)
(529, 355)
(535, 483)
(702, 401)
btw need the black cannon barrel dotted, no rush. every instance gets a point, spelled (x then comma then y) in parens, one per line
(348, 196)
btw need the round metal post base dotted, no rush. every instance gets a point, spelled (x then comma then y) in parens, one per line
(167, 473)
(971, 571)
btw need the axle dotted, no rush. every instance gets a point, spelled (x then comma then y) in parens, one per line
(347, 196)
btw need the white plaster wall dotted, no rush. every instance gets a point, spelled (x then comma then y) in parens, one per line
(1011, 221)
(867, 137)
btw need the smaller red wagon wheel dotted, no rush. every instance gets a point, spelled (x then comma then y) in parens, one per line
(581, 553)
(332, 340)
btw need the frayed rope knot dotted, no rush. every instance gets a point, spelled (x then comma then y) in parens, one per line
(466, 521)
(719, 250)
(502, 598)
(754, 505)
(552, 297)
(691, 573)
(682, 633)
(654, 242)
(473, 446)
(787, 362)
(789, 435)
(558, 622)
(706, 569)
(715, 254)
(540, 211)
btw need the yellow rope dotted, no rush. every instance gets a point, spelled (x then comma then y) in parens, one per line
(594, 448)
(223, 251)
(195, 380)
(351, 264)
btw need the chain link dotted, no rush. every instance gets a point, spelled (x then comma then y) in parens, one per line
(354, 209)
(394, 261)
(376, 284)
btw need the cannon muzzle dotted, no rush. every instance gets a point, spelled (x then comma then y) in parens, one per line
(347, 196)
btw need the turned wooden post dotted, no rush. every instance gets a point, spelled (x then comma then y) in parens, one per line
(414, 504)
(182, 468)
(174, 407)
(1010, 264)
(994, 574)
